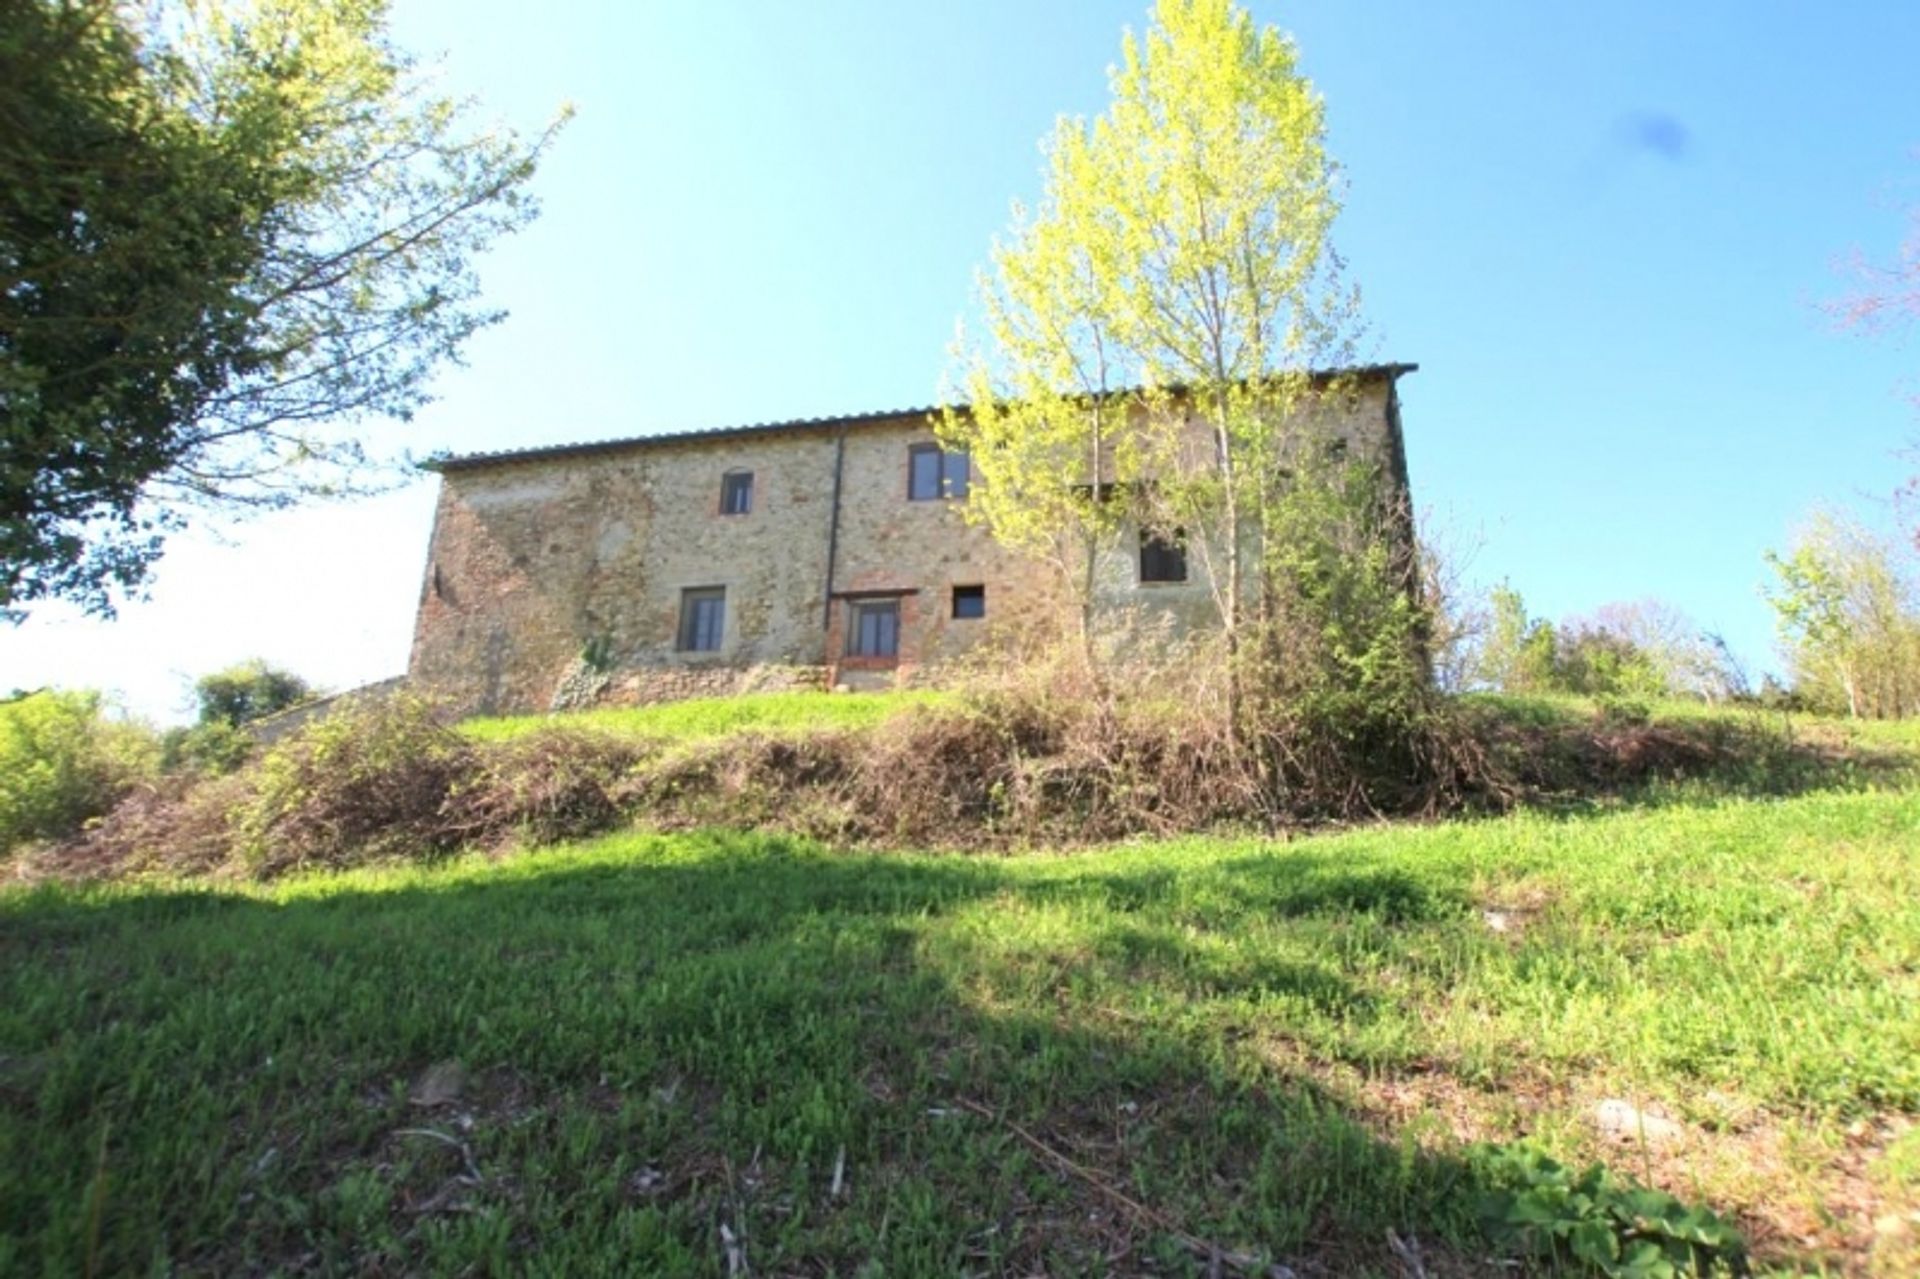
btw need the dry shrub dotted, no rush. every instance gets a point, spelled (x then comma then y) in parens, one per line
(546, 787)
(750, 780)
(1057, 752)
(372, 779)
(178, 824)
(950, 771)
(1543, 757)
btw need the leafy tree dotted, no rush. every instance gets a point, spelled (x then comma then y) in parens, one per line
(229, 232)
(1050, 402)
(228, 700)
(1848, 612)
(247, 691)
(1633, 649)
(1519, 652)
(1595, 661)
(1181, 249)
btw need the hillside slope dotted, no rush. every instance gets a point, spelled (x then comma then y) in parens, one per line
(649, 1052)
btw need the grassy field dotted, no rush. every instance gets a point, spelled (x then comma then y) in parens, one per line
(722, 1054)
(701, 719)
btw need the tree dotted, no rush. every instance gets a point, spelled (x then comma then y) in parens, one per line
(1457, 614)
(247, 691)
(1047, 405)
(1180, 252)
(1519, 652)
(228, 700)
(1645, 648)
(1848, 613)
(229, 233)
(1888, 295)
(1886, 299)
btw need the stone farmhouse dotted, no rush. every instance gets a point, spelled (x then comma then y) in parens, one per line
(816, 553)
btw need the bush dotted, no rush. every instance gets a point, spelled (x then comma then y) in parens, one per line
(552, 785)
(369, 780)
(64, 761)
(212, 748)
(1044, 755)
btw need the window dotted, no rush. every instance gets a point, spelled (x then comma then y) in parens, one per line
(736, 493)
(703, 612)
(934, 472)
(1163, 559)
(969, 601)
(873, 628)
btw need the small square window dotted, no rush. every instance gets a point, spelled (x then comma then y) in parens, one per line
(736, 493)
(934, 473)
(703, 613)
(1163, 559)
(969, 601)
(873, 628)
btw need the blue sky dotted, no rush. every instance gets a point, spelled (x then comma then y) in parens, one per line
(1602, 231)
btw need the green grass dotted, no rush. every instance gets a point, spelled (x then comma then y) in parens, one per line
(705, 718)
(1281, 1048)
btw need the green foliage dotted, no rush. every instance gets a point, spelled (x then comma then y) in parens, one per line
(1336, 608)
(1847, 604)
(1517, 654)
(247, 691)
(63, 761)
(1181, 243)
(1630, 652)
(1602, 1224)
(1602, 663)
(223, 226)
(212, 748)
(598, 654)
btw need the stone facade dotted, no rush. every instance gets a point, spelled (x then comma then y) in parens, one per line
(561, 576)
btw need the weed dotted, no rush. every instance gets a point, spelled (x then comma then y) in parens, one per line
(1601, 1223)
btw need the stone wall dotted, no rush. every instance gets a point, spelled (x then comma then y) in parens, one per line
(559, 578)
(272, 728)
(536, 563)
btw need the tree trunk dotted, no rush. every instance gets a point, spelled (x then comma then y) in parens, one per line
(1093, 548)
(1231, 617)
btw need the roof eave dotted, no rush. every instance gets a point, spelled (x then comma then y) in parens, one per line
(444, 463)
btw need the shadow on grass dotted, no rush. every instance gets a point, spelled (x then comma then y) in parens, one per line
(829, 1061)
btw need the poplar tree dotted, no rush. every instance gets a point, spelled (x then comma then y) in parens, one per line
(1047, 401)
(1180, 251)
